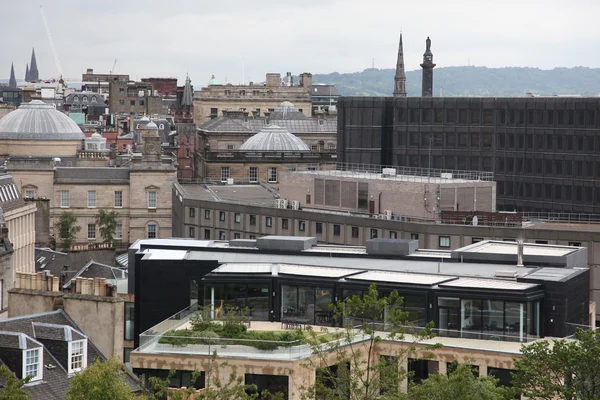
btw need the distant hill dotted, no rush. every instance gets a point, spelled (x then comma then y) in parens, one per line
(471, 81)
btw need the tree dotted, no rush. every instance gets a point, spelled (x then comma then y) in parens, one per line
(563, 368)
(12, 389)
(460, 384)
(107, 221)
(102, 380)
(345, 359)
(67, 230)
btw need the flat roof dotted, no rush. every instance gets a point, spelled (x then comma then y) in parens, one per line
(285, 269)
(529, 249)
(492, 284)
(164, 254)
(246, 194)
(400, 178)
(400, 277)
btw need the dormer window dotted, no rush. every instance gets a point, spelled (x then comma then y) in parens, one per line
(93, 99)
(84, 99)
(32, 363)
(77, 355)
(75, 99)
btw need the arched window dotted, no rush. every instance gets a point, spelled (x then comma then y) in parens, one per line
(75, 99)
(93, 99)
(84, 99)
(161, 126)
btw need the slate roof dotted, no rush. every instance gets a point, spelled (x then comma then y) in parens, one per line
(50, 260)
(63, 333)
(104, 175)
(10, 198)
(56, 381)
(95, 269)
(123, 260)
(254, 125)
(37, 120)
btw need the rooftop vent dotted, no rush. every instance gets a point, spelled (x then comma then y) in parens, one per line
(505, 273)
(285, 243)
(392, 247)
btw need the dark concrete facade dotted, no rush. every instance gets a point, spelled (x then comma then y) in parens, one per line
(544, 151)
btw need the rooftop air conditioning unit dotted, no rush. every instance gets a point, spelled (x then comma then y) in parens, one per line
(295, 205)
(280, 203)
(387, 214)
(388, 171)
(284, 203)
(446, 175)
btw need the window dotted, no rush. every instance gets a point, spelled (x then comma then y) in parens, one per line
(252, 237)
(253, 174)
(192, 212)
(152, 199)
(121, 102)
(91, 231)
(314, 147)
(268, 222)
(77, 355)
(151, 231)
(444, 241)
(575, 244)
(319, 227)
(65, 200)
(221, 215)
(355, 232)
(284, 223)
(272, 174)
(476, 240)
(30, 194)
(229, 147)
(75, 99)
(119, 231)
(32, 365)
(301, 226)
(142, 102)
(224, 174)
(118, 199)
(132, 102)
(237, 218)
(192, 232)
(91, 198)
(414, 236)
(308, 199)
(393, 235)
(237, 236)
(222, 235)
(207, 234)
(206, 214)
(187, 152)
(336, 230)
(252, 219)
(373, 233)
(161, 126)
(129, 318)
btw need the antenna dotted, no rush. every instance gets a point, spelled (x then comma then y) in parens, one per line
(373, 64)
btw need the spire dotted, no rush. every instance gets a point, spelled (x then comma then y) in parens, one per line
(27, 73)
(188, 95)
(428, 65)
(400, 77)
(34, 75)
(13, 81)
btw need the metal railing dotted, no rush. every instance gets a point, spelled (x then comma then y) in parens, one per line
(570, 218)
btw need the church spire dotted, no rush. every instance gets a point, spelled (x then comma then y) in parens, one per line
(428, 65)
(12, 83)
(27, 73)
(400, 77)
(34, 75)
(187, 99)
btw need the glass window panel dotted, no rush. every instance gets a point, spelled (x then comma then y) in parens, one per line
(470, 311)
(493, 318)
(514, 316)
(258, 301)
(415, 306)
(533, 318)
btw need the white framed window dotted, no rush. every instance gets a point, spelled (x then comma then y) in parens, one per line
(77, 355)
(29, 194)
(253, 174)
(222, 235)
(230, 147)
(151, 231)
(65, 198)
(75, 99)
(91, 198)
(32, 363)
(119, 231)
(91, 231)
(192, 232)
(444, 241)
(314, 147)
(118, 199)
(152, 199)
(224, 174)
(272, 174)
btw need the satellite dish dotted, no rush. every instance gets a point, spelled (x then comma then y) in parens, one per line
(475, 220)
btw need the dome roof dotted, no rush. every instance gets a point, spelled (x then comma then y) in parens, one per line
(37, 120)
(274, 138)
(152, 126)
(213, 81)
(144, 119)
(287, 110)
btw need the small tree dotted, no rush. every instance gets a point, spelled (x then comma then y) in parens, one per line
(107, 221)
(460, 384)
(102, 380)
(67, 229)
(12, 388)
(560, 369)
(347, 365)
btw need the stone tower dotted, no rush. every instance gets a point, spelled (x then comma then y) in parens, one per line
(12, 83)
(34, 75)
(400, 77)
(150, 143)
(427, 70)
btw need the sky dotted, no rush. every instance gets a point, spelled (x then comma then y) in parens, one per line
(240, 41)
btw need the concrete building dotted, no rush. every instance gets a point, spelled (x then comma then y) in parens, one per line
(256, 99)
(324, 99)
(481, 299)
(99, 83)
(134, 98)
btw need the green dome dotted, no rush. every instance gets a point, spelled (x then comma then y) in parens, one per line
(213, 81)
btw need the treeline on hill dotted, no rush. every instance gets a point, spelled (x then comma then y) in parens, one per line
(471, 81)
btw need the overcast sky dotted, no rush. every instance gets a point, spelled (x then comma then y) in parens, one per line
(169, 38)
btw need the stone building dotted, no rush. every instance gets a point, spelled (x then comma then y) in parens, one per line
(51, 160)
(256, 99)
(134, 98)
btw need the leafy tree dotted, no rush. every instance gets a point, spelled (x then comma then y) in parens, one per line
(12, 388)
(102, 380)
(560, 369)
(107, 221)
(460, 384)
(346, 364)
(67, 229)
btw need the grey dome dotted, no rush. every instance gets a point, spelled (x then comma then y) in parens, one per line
(274, 138)
(151, 126)
(287, 110)
(37, 120)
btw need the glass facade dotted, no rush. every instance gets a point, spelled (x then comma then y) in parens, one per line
(254, 296)
(413, 304)
(308, 303)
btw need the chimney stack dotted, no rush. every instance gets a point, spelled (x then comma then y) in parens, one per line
(520, 253)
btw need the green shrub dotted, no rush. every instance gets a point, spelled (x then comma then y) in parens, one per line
(207, 337)
(233, 330)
